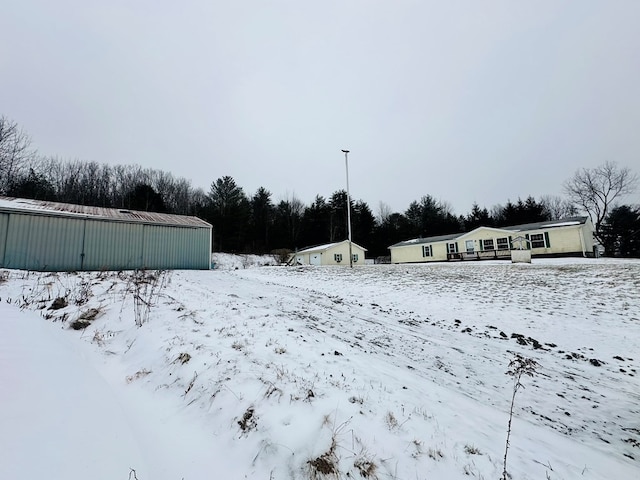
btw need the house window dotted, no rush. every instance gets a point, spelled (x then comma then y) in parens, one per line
(503, 243)
(354, 257)
(452, 247)
(539, 240)
(427, 251)
(337, 257)
(487, 244)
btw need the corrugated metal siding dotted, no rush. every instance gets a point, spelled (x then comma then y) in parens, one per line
(112, 246)
(171, 247)
(4, 231)
(42, 243)
(48, 243)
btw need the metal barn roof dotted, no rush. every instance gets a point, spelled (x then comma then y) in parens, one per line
(37, 207)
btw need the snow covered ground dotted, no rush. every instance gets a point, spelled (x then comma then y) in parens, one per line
(376, 372)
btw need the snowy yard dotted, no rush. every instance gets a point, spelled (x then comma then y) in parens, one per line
(377, 372)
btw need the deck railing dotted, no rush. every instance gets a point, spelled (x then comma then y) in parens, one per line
(480, 255)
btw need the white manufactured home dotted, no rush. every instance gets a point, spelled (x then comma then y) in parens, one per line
(330, 254)
(50, 236)
(568, 237)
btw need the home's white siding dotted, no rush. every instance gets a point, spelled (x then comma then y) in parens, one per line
(416, 253)
(564, 240)
(328, 254)
(574, 238)
(482, 235)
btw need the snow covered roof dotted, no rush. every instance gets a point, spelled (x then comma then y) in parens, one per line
(327, 246)
(37, 207)
(565, 222)
(415, 241)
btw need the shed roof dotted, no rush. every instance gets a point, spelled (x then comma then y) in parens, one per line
(327, 246)
(37, 207)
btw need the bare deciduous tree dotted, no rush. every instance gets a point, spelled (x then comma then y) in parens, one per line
(596, 189)
(15, 152)
(557, 207)
(384, 212)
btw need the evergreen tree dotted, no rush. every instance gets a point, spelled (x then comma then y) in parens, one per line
(34, 186)
(144, 198)
(521, 213)
(261, 221)
(430, 217)
(288, 220)
(477, 218)
(229, 214)
(338, 216)
(316, 221)
(621, 232)
(363, 224)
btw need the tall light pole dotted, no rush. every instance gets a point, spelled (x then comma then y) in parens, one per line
(346, 164)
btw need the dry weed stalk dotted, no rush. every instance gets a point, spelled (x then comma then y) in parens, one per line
(145, 288)
(518, 366)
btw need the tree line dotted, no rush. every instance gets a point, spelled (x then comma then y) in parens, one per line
(255, 223)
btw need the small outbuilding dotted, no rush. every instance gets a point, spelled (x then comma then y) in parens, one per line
(330, 254)
(51, 236)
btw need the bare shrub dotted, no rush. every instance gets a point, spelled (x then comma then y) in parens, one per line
(518, 366)
(281, 255)
(82, 294)
(145, 287)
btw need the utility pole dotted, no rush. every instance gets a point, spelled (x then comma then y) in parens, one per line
(346, 163)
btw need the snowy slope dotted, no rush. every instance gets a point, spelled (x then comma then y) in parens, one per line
(59, 418)
(288, 372)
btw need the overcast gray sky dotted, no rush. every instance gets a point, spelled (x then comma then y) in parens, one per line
(468, 101)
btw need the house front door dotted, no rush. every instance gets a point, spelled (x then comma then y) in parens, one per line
(469, 246)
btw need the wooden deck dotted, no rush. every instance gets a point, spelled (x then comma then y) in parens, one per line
(480, 255)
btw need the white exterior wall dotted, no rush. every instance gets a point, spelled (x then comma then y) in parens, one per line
(573, 239)
(480, 234)
(413, 253)
(327, 255)
(570, 239)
